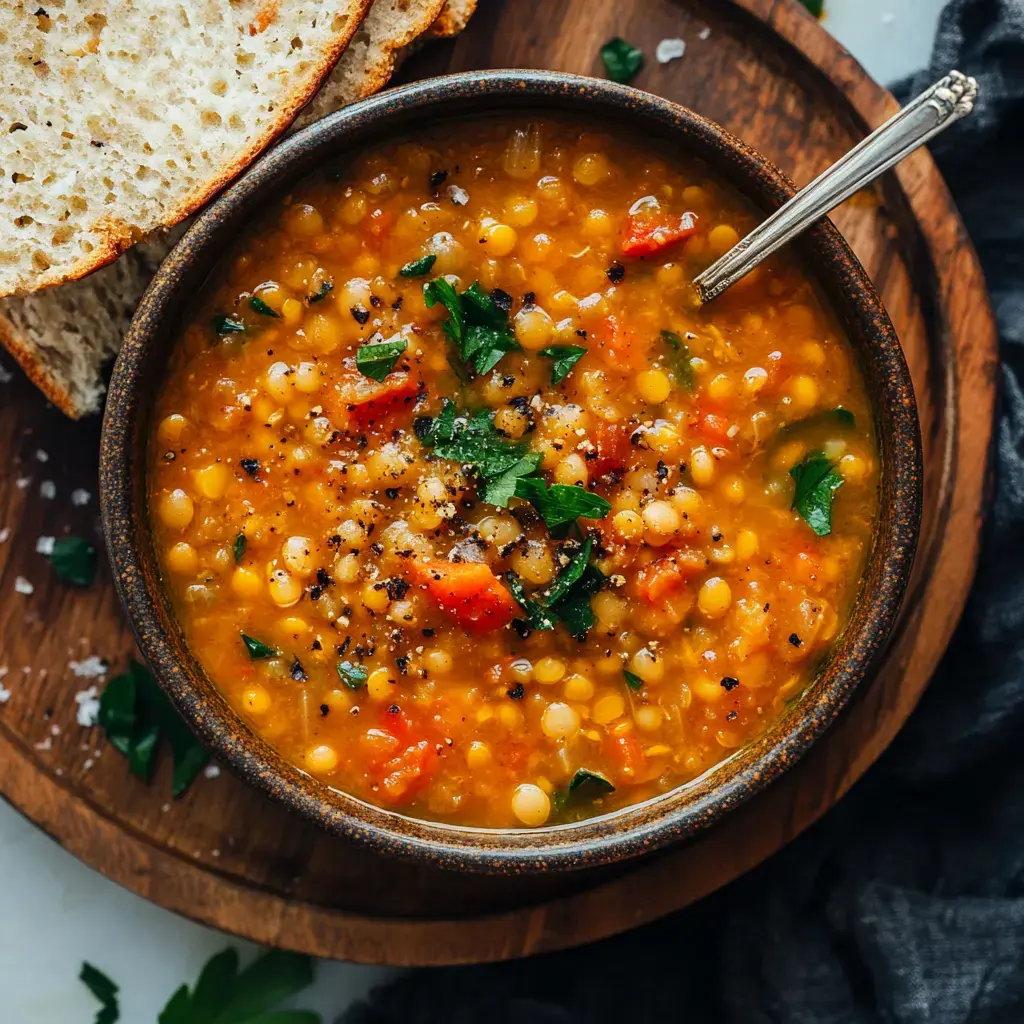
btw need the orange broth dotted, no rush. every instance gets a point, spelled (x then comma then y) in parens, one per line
(536, 557)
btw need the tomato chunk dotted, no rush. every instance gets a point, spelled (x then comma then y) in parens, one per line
(367, 401)
(613, 448)
(407, 772)
(667, 575)
(626, 752)
(622, 347)
(469, 592)
(649, 231)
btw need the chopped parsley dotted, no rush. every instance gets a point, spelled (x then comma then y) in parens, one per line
(589, 782)
(504, 468)
(239, 547)
(565, 357)
(224, 324)
(321, 293)
(621, 60)
(838, 417)
(476, 326)
(633, 681)
(816, 7)
(377, 361)
(135, 713)
(104, 990)
(678, 360)
(74, 560)
(816, 480)
(257, 305)
(352, 675)
(257, 649)
(225, 995)
(418, 268)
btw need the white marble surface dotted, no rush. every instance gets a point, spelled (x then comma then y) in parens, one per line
(57, 912)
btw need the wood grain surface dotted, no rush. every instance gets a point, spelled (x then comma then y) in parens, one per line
(222, 854)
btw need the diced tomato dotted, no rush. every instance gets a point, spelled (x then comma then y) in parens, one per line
(467, 591)
(379, 746)
(621, 346)
(649, 231)
(368, 401)
(399, 723)
(712, 427)
(626, 752)
(612, 444)
(407, 772)
(667, 575)
(379, 224)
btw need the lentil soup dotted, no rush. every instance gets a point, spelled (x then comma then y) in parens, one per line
(470, 511)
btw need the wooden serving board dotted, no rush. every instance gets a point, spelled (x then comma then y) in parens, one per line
(224, 856)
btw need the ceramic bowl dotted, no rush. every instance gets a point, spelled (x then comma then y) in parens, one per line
(630, 831)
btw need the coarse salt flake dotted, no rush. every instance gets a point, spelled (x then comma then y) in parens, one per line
(459, 196)
(22, 585)
(42, 456)
(211, 771)
(704, 33)
(89, 668)
(88, 711)
(5, 375)
(48, 490)
(22, 482)
(670, 49)
(80, 496)
(44, 545)
(5, 694)
(5, 533)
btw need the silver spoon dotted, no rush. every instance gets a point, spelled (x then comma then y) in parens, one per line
(949, 99)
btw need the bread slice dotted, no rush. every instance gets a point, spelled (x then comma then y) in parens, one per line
(119, 119)
(369, 61)
(63, 336)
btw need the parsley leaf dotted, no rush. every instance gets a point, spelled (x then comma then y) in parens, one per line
(574, 609)
(377, 361)
(590, 782)
(476, 325)
(815, 7)
(74, 560)
(621, 60)
(104, 990)
(474, 441)
(225, 995)
(679, 359)
(633, 681)
(570, 574)
(816, 480)
(565, 357)
(241, 543)
(321, 293)
(561, 503)
(352, 675)
(257, 305)
(417, 268)
(537, 616)
(258, 649)
(135, 713)
(224, 324)
(838, 417)
(502, 488)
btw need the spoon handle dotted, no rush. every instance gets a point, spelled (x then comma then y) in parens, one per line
(949, 99)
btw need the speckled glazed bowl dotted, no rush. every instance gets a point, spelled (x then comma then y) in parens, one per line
(625, 833)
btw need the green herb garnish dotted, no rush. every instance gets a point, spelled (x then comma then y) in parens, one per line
(837, 417)
(537, 616)
(590, 782)
(239, 547)
(816, 7)
(257, 649)
(633, 681)
(621, 60)
(502, 488)
(135, 713)
(565, 357)
(352, 675)
(561, 503)
(321, 293)
(104, 990)
(377, 361)
(257, 305)
(74, 560)
(816, 480)
(224, 995)
(417, 268)
(679, 359)
(564, 581)
(476, 326)
(574, 609)
(224, 324)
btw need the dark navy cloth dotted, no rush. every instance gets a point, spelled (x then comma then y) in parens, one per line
(906, 902)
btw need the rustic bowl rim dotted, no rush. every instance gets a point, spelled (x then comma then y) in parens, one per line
(633, 830)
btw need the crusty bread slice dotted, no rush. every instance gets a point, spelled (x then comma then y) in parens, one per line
(369, 60)
(63, 336)
(119, 119)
